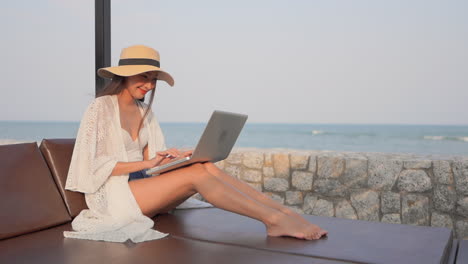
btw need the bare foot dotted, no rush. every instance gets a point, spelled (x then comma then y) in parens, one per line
(285, 225)
(320, 232)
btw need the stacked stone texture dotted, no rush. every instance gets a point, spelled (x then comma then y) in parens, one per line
(391, 188)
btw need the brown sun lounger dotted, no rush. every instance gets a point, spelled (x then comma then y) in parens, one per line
(36, 210)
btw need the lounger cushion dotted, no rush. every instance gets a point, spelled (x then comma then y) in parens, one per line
(462, 255)
(49, 246)
(348, 240)
(30, 199)
(58, 153)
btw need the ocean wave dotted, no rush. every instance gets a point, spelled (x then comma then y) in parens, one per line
(464, 139)
(317, 132)
(353, 135)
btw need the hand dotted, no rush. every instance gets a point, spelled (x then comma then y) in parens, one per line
(187, 153)
(177, 153)
(170, 154)
(166, 156)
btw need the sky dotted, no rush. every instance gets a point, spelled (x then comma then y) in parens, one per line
(297, 61)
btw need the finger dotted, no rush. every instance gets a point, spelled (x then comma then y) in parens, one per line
(167, 154)
(165, 161)
(177, 152)
(174, 153)
(162, 153)
(170, 156)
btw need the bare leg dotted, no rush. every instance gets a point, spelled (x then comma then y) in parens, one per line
(172, 205)
(258, 196)
(155, 193)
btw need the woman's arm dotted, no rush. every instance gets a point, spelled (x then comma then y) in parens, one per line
(145, 153)
(162, 157)
(128, 167)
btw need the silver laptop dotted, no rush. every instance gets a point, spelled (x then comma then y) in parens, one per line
(214, 145)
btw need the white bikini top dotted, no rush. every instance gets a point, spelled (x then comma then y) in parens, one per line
(135, 148)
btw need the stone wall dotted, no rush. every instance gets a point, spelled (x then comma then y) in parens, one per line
(386, 187)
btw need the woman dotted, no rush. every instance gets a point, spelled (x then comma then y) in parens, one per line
(119, 138)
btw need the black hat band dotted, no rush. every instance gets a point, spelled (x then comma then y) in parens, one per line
(139, 62)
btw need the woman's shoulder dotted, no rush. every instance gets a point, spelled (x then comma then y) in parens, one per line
(100, 103)
(102, 100)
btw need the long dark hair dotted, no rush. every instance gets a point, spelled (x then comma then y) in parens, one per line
(116, 86)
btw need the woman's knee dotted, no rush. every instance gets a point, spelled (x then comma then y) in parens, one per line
(209, 165)
(197, 166)
(199, 171)
(211, 168)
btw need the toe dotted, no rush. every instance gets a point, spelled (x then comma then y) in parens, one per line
(313, 236)
(323, 234)
(300, 236)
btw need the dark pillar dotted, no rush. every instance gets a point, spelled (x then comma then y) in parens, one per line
(102, 38)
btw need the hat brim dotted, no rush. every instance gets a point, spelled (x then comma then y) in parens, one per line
(130, 70)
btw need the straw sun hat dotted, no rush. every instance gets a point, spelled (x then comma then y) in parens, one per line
(135, 60)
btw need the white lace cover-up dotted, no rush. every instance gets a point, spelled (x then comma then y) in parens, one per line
(113, 213)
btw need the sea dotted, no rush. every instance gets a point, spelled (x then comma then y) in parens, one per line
(442, 140)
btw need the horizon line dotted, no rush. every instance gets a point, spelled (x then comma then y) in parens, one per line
(252, 123)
